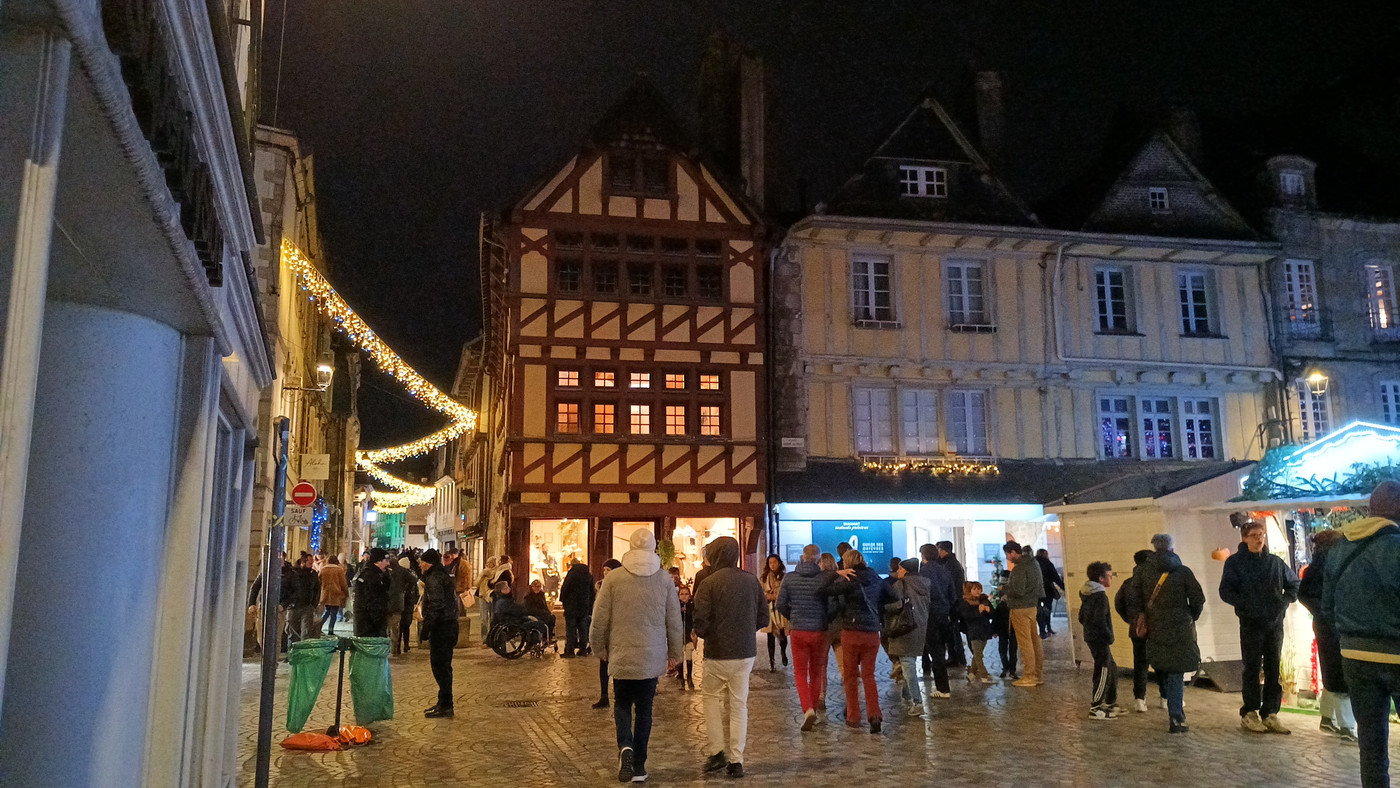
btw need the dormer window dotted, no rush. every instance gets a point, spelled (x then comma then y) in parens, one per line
(923, 181)
(1158, 200)
(1291, 183)
(639, 174)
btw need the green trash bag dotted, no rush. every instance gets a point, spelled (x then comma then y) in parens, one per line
(371, 688)
(310, 660)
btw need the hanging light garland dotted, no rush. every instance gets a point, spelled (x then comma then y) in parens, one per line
(932, 467)
(350, 324)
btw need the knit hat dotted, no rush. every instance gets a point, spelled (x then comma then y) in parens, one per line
(642, 539)
(911, 565)
(612, 563)
(431, 556)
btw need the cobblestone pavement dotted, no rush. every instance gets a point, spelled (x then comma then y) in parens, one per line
(995, 735)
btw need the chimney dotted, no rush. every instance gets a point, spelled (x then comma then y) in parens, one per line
(1185, 131)
(753, 126)
(991, 114)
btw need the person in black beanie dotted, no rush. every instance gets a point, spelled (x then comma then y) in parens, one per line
(603, 701)
(440, 625)
(372, 596)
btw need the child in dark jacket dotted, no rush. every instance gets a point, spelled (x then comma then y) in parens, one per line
(1096, 622)
(974, 610)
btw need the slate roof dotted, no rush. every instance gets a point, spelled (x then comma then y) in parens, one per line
(930, 135)
(1020, 481)
(642, 116)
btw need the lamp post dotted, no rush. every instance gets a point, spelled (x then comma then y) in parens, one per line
(1317, 382)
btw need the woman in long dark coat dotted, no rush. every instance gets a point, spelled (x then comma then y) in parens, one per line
(1171, 623)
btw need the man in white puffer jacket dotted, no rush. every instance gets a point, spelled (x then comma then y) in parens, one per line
(637, 629)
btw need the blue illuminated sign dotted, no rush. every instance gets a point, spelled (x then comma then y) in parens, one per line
(873, 538)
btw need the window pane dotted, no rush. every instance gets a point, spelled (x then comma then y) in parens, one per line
(709, 419)
(604, 418)
(1300, 292)
(676, 281)
(709, 281)
(567, 417)
(966, 286)
(874, 432)
(1158, 433)
(1111, 296)
(604, 380)
(1195, 310)
(1116, 427)
(1390, 401)
(640, 423)
(568, 276)
(919, 420)
(675, 381)
(709, 382)
(871, 297)
(1380, 297)
(639, 380)
(639, 279)
(675, 419)
(568, 377)
(967, 422)
(1314, 412)
(621, 171)
(604, 276)
(1198, 428)
(656, 176)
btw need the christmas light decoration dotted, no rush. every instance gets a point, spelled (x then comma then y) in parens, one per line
(931, 467)
(464, 419)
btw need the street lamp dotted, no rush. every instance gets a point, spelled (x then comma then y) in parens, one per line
(1317, 383)
(325, 370)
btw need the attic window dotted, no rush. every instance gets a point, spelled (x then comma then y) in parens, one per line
(638, 174)
(1291, 183)
(923, 181)
(1157, 198)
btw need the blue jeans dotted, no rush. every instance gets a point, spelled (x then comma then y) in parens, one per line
(1172, 686)
(627, 694)
(910, 691)
(1374, 686)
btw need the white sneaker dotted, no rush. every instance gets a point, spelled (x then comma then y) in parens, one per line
(1252, 723)
(1161, 703)
(939, 695)
(916, 710)
(1140, 705)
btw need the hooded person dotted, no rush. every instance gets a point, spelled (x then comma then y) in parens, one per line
(730, 606)
(637, 629)
(1172, 600)
(1096, 623)
(1361, 600)
(576, 595)
(912, 590)
(800, 601)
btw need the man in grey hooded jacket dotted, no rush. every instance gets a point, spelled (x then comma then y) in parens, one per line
(637, 630)
(729, 608)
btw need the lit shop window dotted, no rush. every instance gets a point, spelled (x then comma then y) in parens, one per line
(709, 382)
(709, 420)
(1116, 426)
(675, 419)
(674, 381)
(568, 378)
(604, 380)
(639, 380)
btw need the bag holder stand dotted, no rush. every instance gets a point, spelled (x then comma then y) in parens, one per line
(343, 645)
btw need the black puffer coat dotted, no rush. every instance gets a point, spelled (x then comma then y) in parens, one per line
(576, 593)
(1171, 617)
(1260, 586)
(864, 598)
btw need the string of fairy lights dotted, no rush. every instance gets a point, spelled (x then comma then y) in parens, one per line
(349, 324)
(956, 467)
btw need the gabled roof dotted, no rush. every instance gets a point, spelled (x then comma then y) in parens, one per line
(1197, 208)
(928, 135)
(641, 117)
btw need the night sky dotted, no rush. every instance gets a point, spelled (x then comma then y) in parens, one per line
(422, 114)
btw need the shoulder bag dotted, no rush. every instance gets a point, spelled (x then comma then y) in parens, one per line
(900, 621)
(1140, 625)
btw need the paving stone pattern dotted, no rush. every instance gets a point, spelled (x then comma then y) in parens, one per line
(994, 735)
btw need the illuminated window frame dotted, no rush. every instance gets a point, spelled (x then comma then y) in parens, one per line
(709, 420)
(675, 419)
(639, 419)
(567, 378)
(604, 418)
(566, 418)
(639, 380)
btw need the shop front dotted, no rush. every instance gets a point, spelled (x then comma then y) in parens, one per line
(881, 531)
(1294, 491)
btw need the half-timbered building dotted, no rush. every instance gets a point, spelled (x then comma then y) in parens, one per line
(634, 304)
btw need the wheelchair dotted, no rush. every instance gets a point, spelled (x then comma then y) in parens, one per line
(515, 639)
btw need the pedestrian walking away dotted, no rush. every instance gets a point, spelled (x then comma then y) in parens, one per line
(1260, 586)
(912, 591)
(1096, 624)
(576, 594)
(440, 626)
(1361, 601)
(637, 631)
(957, 575)
(801, 603)
(939, 633)
(730, 606)
(335, 592)
(1023, 592)
(602, 702)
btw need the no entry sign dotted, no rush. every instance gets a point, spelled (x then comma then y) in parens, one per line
(304, 494)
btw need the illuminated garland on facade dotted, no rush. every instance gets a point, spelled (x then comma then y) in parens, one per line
(931, 467)
(330, 304)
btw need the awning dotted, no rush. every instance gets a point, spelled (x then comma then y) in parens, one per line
(1286, 504)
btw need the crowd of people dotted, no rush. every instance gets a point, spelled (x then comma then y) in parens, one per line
(644, 623)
